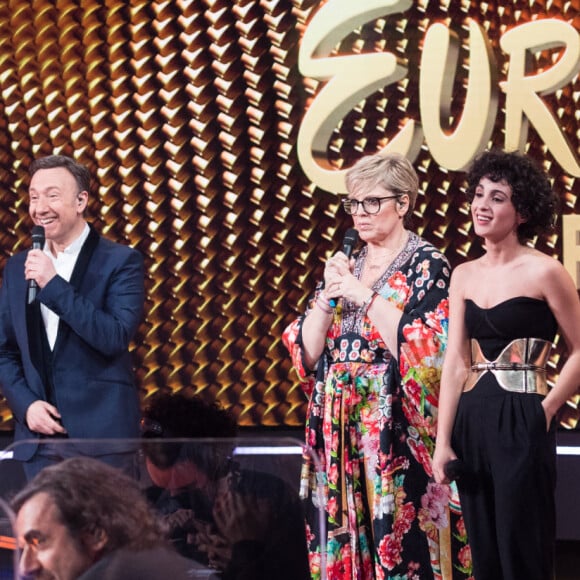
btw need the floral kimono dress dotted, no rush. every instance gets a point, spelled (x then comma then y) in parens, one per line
(371, 422)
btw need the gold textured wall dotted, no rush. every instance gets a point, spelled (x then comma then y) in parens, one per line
(187, 113)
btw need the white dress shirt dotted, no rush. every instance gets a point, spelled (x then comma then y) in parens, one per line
(64, 264)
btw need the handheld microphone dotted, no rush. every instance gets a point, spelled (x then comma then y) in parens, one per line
(348, 243)
(37, 244)
(454, 469)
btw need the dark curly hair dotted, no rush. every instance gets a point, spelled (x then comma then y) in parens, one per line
(178, 416)
(532, 194)
(93, 497)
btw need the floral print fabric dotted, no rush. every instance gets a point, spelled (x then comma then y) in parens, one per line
(371, 421)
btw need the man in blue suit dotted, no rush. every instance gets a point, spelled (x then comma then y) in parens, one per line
(65, 366)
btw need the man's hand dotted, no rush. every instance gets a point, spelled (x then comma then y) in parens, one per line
(39, 267)
(242, 517)
(44, 418)
(180, 519)
(208, 540)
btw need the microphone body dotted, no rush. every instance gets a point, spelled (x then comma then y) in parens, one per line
(37, 244)
(348, 243)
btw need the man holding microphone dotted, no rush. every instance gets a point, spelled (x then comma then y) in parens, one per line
(69, 309)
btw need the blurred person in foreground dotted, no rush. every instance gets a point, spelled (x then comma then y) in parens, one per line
(65, 366)
(371, 366)
(496, 413)
(246, 524)
(84, 520)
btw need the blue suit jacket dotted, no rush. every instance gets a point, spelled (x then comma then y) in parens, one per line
(92, 378)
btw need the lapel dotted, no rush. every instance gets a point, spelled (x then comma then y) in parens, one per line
(77, 276)
(37, 341)
(39, 348)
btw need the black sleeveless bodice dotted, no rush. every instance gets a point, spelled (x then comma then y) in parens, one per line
(519, 317)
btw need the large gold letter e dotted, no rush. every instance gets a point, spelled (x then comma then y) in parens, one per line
(350, 79)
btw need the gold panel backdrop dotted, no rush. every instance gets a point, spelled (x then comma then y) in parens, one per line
(187, 113)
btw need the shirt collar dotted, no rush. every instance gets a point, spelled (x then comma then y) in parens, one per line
(74, 248)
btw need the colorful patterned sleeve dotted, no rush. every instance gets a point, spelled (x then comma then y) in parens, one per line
(422, 343)
(292, 339)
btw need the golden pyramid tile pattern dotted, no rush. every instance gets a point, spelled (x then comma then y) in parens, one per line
(187, 113)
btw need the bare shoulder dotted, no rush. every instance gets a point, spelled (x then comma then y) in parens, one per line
(550, 279)
(545, 265)
(462, 279)
(465, 271)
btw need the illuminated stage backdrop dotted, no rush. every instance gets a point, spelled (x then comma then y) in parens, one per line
(217, 132)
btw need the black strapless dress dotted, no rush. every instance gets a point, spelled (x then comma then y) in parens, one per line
(507, 491)
(519, 317)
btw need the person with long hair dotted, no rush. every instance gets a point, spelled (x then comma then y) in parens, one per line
(245, 523)
(83, 519)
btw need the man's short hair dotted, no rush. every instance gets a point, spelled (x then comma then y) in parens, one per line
(80, 172)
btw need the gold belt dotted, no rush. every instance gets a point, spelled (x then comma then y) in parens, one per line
(520, 367)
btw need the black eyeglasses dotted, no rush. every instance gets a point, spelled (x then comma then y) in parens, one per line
(370, 205)
(151, 428)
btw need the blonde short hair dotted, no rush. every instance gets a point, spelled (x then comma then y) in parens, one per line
(392, 172)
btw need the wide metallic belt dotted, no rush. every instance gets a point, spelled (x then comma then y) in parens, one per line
(520, 368)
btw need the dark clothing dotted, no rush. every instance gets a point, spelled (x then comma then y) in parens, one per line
(181, 534)
(116, 454)
(507, 491)
(154, 564)
(282, 554)
(279, 555)
(88, 375)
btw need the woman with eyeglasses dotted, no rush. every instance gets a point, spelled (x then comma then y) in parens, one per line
(496, 413)
(371, 366)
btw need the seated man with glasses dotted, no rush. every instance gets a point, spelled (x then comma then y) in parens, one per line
(244, 523)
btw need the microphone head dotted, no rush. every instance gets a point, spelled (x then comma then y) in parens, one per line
(38, 235)
(350, 240)
(351, 236)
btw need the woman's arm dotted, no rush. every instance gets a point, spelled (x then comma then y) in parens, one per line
(408, 302)
(562, 296)
(314, 329)
(455, 369)
(305, 338)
